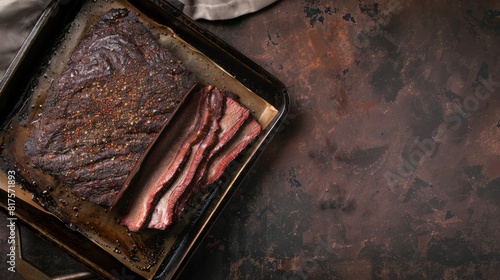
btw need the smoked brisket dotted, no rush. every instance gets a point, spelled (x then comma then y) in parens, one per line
(234, 116)
(106, 124)
(116, 93)
(249, 130)
(167, 162)
(221, 130)
(163, 214)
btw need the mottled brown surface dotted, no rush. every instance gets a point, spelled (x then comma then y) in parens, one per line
(357, 184)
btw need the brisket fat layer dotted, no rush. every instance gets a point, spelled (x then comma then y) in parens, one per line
(108, 105)
(203, 147)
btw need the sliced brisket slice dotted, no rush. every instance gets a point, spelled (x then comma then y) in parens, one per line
(187, 130)
(251, 128)
(234, 116)
(163, 214)
(101, 114)
(232, 120)
(189, 154)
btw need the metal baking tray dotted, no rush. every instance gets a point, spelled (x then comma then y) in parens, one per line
(215, 62)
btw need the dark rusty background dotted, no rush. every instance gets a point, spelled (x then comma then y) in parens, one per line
(388, 165)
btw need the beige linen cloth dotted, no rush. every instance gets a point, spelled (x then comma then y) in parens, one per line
(222, 9)
(17, 18)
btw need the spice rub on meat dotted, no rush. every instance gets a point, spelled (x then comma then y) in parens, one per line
(101, 114)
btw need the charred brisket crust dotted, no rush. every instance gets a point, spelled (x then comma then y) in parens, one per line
(111, 100)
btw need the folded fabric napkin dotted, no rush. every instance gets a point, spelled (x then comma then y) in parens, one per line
(222, 9)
